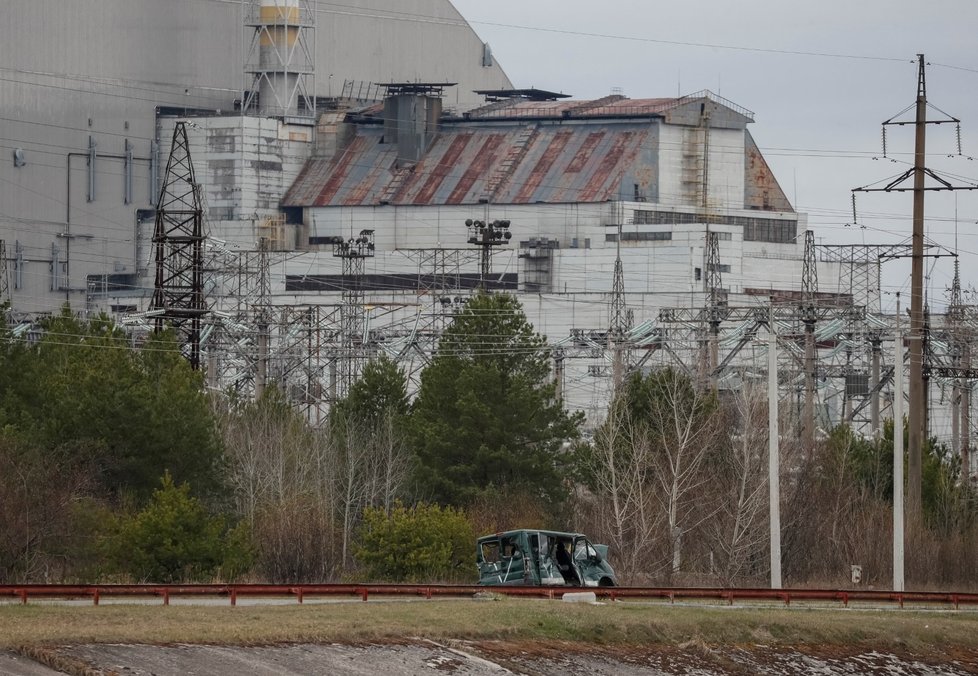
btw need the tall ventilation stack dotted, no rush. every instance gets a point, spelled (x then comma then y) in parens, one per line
(282, 58)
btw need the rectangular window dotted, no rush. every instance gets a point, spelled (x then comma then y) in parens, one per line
(770, 230)
(774, 230)
(640, 237)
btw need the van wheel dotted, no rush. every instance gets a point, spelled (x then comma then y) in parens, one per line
(605, 582)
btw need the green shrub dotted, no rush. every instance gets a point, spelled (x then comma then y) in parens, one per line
(174, 539)
(423, 543)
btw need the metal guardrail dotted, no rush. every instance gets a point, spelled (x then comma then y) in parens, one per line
(729, 596)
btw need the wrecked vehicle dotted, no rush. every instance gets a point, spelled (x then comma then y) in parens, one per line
(542, 557)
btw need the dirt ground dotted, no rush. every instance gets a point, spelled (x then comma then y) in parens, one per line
(473, 658)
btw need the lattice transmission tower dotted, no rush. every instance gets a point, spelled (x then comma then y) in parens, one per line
(809, 317)
(619, 318)
(716, 308)
(178, 296)
(4, 275)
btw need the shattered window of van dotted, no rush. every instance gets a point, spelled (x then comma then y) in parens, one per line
(490, 551)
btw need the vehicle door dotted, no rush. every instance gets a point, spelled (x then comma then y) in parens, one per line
(547, 567)
(587, 561)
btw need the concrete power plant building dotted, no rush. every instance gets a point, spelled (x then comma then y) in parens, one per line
(346, 158)
(84, 85)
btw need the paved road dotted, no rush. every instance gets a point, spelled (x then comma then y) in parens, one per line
(15, 665)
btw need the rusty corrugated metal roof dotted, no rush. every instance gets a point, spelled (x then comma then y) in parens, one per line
(520, 151)
(466, 163)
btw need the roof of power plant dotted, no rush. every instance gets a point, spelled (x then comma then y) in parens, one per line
(519, 150)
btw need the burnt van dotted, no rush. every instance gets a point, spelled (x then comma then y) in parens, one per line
(543, 557)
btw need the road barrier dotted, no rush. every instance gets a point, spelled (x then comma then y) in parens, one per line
(299, 592)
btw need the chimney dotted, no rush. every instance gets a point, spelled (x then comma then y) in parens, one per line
(412, 112)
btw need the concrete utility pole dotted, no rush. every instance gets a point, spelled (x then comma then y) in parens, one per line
(898, 454)
(917, 402)
(917, 418)
(774, 464)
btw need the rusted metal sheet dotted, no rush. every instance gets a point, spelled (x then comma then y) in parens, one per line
(478, 170)
(308, 184)
(446, 163)
(543, 166)
(598, 185)
(367, 187)
(585, 152)
(576, 161)
(340, 170)
(761, 188)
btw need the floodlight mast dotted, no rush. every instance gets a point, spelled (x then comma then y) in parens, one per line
(354, 252)
(487, 234)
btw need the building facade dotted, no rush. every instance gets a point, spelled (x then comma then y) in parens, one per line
(86, 84)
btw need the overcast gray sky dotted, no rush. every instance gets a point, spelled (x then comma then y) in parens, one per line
(817, 117)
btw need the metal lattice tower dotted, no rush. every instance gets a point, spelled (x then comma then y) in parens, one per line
(353, 316)
(809, 273)
(178, 297)
(860, 268)
(712, 278)
(281, 61)
(960, 342)
(440, 283)
(4, 278)
(263, 317)
(955, 308)
(619, 318)
(809, 316)
(716, 305)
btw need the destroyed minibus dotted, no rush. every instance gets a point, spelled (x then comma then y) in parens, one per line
(542, 557)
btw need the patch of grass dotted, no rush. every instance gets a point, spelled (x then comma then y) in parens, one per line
(511, 619)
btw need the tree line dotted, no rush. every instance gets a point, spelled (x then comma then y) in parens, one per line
(117, 465)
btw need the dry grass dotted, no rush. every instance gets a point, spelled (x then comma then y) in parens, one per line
(525, 620)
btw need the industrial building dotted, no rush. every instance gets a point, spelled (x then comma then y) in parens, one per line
(358, 172)
(85, 84)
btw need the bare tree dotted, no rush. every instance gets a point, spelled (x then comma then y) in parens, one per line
(282, 477)
(683, 428)
(619, 467)
(372, 464)
(737, 530)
